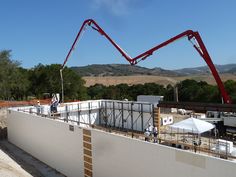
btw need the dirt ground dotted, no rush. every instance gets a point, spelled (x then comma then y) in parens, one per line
(8, 167)
(14, 162)
(164, 80)
(3, 117)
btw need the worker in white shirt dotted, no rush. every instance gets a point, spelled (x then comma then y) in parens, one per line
(155, 133)
(147, 134)
(150, 128)
(54, 103)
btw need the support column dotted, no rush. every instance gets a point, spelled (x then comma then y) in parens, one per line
(67, 114)
(157, 119)
(122, 115)
(89, 106)
(114, 114)
(142, 117)
(132, 119)
(78, 106)
(88, 165)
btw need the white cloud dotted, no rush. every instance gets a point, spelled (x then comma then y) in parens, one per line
(116, 7)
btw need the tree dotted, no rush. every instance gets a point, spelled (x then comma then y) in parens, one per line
(169, 93)
(74, 85)
(20, 88)
(46, 79)
(124, 91)
(230, 86)
(97, 91)
(13, 79)
(194, 91)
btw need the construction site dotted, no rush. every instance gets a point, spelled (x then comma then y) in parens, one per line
(122, 138)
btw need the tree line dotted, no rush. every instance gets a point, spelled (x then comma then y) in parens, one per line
(17, 83)
(188, 91)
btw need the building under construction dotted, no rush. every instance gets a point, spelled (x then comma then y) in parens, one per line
(105, 138)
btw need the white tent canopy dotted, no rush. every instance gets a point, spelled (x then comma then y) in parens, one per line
(193, 125)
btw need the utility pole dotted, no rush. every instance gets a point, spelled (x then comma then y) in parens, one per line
(62, 86)
(176, 94)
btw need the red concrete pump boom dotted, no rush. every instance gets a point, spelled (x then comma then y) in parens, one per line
(193, 36)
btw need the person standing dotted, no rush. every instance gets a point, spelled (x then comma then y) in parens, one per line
(148, 132)
(54, 104)
(38, 107)
(150, 128)
(155, 133)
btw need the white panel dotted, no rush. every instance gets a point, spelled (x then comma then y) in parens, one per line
(137, 121)
(150, 98)
(49, 141)
(119, 156)
(167, 120)
(230, 121)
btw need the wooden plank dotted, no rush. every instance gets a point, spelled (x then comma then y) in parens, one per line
(88, 166)
(87, 139)
(88, 152)
(87, 145)
(87, 132)
(88, 172)
(88, 159)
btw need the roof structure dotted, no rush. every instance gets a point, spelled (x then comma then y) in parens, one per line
(193, 125)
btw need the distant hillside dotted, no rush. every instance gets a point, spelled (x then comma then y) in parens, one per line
(163, 80)
(128, 70)
(229, 68)
(232, 71)
(121, 70)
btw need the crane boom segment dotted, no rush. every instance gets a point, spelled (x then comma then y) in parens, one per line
(197, 44)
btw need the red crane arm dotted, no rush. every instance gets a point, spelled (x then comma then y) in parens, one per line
(193, 37)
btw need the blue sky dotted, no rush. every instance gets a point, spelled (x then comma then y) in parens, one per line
(43, 31)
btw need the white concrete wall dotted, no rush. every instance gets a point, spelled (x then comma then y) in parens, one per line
(137, 121)
(51, 142)
(88, 112)
(127, 120)
(230, 121)
(75, 111)
(48, 140)
(150, 99)
(127, 105)
(120, 156)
